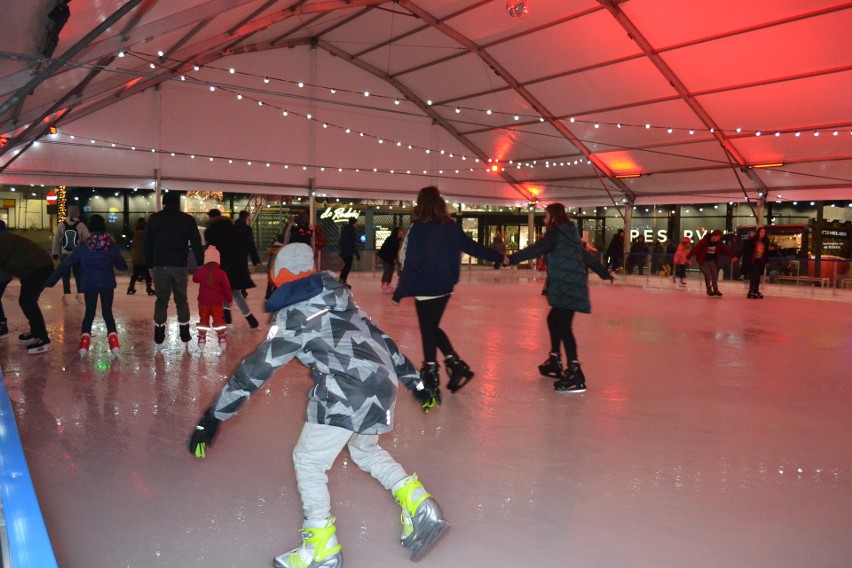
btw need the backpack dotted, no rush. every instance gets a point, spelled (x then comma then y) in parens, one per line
(301, 234)
(70, 236)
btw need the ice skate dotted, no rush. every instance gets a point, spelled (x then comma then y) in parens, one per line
(131, 291)
(716, 292)
(151, 291)
(114, 346)
(252, 321)
(202, 340)
(38, 346)
(85, 343)
(26, 338)
(223, 342)
(422, 520)
(552, 367)
(460, 373)
(573, 381)
(227, 316)
(184, 333)
(319, 549)
(159, 333)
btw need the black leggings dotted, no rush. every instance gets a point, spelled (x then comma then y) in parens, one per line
(559, 322)
(347, 266)
(91, 298)
(429, 314)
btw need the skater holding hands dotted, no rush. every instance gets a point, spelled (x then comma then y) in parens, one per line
(356, 368)
(430, 258)
(567, 289)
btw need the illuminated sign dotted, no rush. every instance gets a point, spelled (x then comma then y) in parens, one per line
(663, 235)
(339, 214)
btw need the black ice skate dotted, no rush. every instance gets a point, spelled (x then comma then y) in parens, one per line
(573, 381)
(552, 367)
(460, 373)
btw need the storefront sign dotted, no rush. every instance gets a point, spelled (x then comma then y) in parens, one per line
(662, 235)
(339, 214)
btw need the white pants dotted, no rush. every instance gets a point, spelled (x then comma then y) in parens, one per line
(314, 454)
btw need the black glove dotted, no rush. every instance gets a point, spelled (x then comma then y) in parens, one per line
(427, 398)
(203, 434)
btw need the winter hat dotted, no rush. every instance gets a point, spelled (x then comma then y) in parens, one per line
(212, 255)
(293, 261)
(97, 224)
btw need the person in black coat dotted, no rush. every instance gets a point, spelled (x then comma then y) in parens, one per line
(348, 248)
(755, 251)
(431, 260)
(222, 234)
(167, 235)
(388, 255)
(615, 252)
(567, 292)
(245, 236)
(638, 256)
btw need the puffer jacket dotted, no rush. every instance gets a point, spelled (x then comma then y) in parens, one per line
(168, 236)
(96, 256)
(567, 261)
(356, 366)
(431, 258)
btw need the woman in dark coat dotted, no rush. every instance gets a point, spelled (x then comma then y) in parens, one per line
(431, 261)
(567, 292)
(221, 234)
(615, 251)
(388, 254)
(245, 236)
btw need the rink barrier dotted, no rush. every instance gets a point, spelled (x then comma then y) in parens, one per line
(24, 539)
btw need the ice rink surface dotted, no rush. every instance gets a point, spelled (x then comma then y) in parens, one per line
(714, 432)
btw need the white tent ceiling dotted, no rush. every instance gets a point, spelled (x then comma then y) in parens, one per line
(565, 102)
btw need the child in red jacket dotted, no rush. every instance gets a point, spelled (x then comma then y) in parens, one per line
(213, 291)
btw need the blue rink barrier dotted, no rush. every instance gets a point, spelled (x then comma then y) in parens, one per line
(26, 544)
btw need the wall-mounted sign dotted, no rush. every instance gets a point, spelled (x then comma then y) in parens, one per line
(51, 198)
(339, 214)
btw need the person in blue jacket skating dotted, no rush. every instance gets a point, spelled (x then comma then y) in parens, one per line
(95, 258)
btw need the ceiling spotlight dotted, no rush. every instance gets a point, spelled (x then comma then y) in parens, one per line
(160, 53)
(517, 9)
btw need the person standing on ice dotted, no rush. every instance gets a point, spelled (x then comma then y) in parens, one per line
(167, 235)
(356, 368)
(214, 293)
(707, 251)
(567, 287)
(94, 259)
(430, 258)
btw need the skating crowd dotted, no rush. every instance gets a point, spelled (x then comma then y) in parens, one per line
(356, 366)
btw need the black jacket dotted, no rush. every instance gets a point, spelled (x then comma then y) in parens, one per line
(567, 261)
(431, 261)
(222, 234)
(390, 249)
(348, 242)
(168, 235)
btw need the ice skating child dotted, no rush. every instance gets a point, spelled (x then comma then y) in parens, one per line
(95, 258)
(389, 254)
(214, 291)
(681, 260)
(431, 259)
(137, 256)
(567, 292)
(356, 367)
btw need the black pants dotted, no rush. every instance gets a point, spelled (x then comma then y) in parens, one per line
(140, 272)
(429, 314)
(755, 271)
(31, 288)
(347, 266)
(3, 284)
(91, 298)
(559, 324)
(387, 271)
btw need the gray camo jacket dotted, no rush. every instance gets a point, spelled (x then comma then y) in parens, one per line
(356, 365)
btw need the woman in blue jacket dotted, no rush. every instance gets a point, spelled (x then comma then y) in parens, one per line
(567, 292)
(430, 258)
(95, 259)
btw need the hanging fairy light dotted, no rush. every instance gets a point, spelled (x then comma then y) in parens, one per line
(517, 8)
